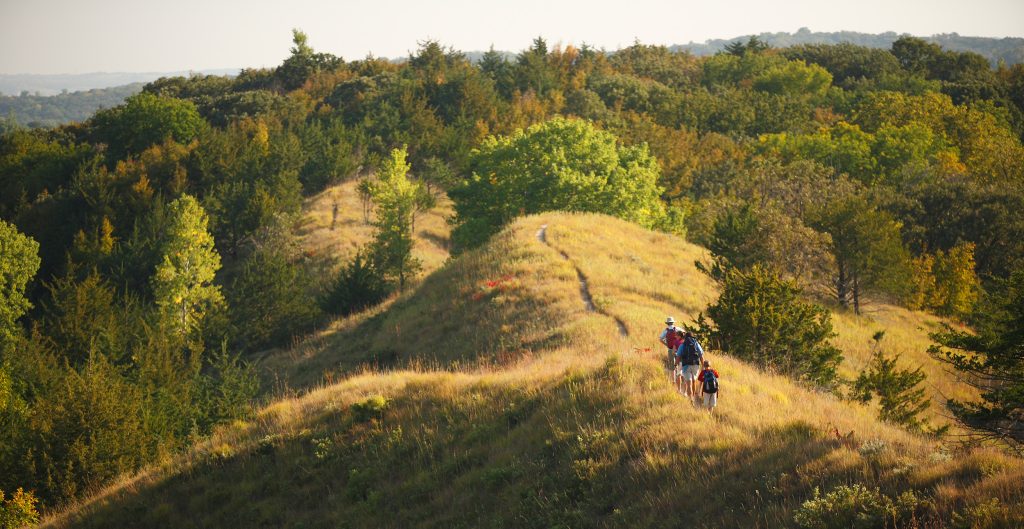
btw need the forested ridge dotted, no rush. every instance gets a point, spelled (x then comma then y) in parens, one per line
(150, 252)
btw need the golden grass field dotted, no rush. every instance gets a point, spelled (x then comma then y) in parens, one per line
(488, 396)
(340, 236)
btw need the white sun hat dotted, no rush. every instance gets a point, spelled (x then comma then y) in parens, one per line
(670, 320)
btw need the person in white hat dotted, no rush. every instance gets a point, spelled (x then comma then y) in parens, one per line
(670, 339)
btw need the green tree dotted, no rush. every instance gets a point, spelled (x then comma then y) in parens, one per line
(868, 250)
(358, 285)
(396, 201)
(19, 261)
(564, 165)
(18, 511)
(739, 48)
(86, 316)
(761, 317)
(303, 63)
(146, 119)
(957, 287)
(271, 299)
(182, 282)
(993, 358)
(901, 399)
(747, 235)
(794, 78)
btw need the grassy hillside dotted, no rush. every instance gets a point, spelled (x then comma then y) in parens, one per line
(635, 276)
(511, 404)
(339, 235)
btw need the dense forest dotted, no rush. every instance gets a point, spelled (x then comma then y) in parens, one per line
(149, 251)
(41, 105)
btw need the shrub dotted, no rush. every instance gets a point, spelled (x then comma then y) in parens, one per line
(371, 408)
(359, 285)
(18, 511)
(761, 317)
(901, 399)
(987, 515)
(856, 507)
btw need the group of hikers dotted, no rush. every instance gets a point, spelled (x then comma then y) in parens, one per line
(690, 370)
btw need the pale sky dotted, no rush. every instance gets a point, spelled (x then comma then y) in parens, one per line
(78, 36)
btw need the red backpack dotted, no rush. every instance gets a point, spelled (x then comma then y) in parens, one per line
(672, 338)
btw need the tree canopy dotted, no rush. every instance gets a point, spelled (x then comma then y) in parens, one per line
(562, 164)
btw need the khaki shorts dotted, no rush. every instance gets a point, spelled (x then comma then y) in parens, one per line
(711, 400)
(690, 373)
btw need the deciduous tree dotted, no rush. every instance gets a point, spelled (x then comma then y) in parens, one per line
(183, 281)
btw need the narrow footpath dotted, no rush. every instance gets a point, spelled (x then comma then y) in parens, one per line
(588, 300)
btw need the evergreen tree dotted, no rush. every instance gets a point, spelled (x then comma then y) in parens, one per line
(869, 252)
(761, 317)
(271, 299)
(303, 63)
(358, 286)
(993, 358)
(901, 399)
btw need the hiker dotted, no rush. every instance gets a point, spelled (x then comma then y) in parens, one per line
(709, 386)
(670, 339)
(690, 355)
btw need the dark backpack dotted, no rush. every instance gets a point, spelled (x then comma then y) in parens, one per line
(689, 356)
(710, 381)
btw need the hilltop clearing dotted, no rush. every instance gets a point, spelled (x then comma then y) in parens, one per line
(519, 298)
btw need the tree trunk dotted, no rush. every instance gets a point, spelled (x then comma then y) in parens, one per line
(841, 281)
(856, 294)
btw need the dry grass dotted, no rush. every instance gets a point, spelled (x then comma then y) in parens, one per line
(320, 232)
(510, 405)
(906, 334)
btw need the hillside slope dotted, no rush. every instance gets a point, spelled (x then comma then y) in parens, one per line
(510, 403)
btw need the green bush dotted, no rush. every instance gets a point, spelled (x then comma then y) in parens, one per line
(856, 507)
(359, 285)
(18, 511)
(988, 515)
(371, 408)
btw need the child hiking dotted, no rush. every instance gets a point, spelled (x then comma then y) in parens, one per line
(709, 386)
(690, 355)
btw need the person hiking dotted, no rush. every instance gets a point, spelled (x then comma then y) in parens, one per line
(709, 386)
(690, 355)
(670, 339)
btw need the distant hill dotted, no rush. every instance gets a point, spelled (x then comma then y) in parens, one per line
(1009, 49)
(49, 111)
(51, 100)
(53, 84)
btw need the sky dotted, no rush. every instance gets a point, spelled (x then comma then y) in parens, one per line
(80, 36)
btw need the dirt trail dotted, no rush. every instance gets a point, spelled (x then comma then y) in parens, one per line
(588, 300)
